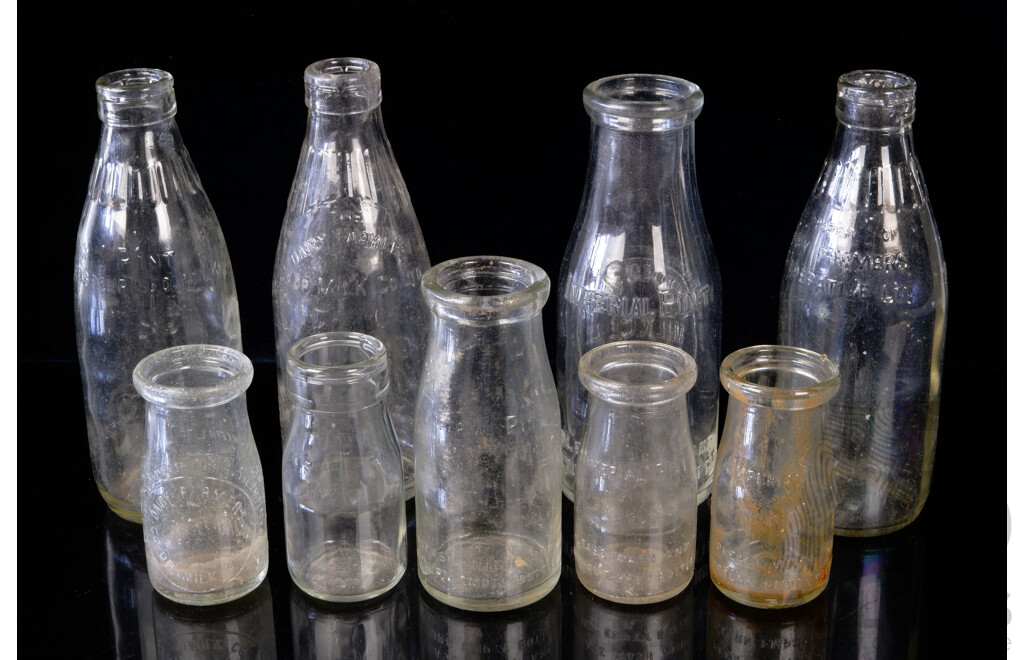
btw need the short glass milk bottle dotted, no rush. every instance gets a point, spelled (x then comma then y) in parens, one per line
(488, 438)
(772, 501)
(344, 502)
(636, 478)
(204, 515)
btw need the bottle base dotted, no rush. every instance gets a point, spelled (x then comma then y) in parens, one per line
(349, 598)
(210, 598)
(765, 602)
(867, 532)
(635, 600)
(127, 510)
(493, 604)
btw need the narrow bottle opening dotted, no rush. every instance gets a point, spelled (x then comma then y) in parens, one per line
(193, 376)
(136, 97)
(485, 290)
(637, 372)
(643, 102)
(876, 98)
(780, 376)
(342, 85)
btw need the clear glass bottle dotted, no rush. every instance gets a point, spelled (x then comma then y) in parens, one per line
(488, 439)
(772, 506)
(151, 270)
(351, 255)
(640, 264)
(865, 283)
(204, 512)
(636, 479)
(344, 501)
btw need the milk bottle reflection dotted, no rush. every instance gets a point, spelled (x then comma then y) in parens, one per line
(875, 596)
(738, 632)
(242, 629)
(604, 629)
(129, 589)
(377, 628)
(527, 633)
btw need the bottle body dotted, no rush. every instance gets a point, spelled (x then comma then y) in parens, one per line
(151, 271)
(865, 283)
(204, 513)
(344, 499)
(640, 265)
(772, 510)
(351, 254)
(636, 479)
(488, 508)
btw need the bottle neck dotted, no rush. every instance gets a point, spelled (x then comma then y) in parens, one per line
(638, 163)
(136, 98)
(868, 147)
(345, 132)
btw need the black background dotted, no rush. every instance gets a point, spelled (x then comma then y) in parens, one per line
(485, 116)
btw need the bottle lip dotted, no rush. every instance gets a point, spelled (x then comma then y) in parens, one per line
(306, 358)
(743, 371)
(876, 98)
(220, 374)
(485, 290)
(342, 85)
(643, 102)
(637, 372)
(134, 86)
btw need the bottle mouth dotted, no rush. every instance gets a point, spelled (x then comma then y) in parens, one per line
(875, 98)
(643, 102)
(193, 376)
(485, 290)
(342, 85)
(782, 377)
(136, 97)
(637, 372)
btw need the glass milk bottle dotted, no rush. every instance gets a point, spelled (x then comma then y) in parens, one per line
(350, 255)
(488, 502)
(636, 479)
(151, 270)
(204, 512)
(865, 284)
(640, 264)
(344, 502)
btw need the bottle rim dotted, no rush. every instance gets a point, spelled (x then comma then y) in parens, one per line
(657, 372)
(342, 85)
(134, 86)
(643, 101)
(485, 290)
(229, 371)
(876, 87)
(371, 361)
(742, 374)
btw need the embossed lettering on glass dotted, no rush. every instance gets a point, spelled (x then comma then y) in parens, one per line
(344, 501)
(865, 283)
(351, 255)
(640, 264)
(488, 439)
(204, 515)
(151, 270)
(636, 480)
(772, 509)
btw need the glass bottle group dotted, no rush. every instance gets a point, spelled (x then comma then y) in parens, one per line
(398, 379)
